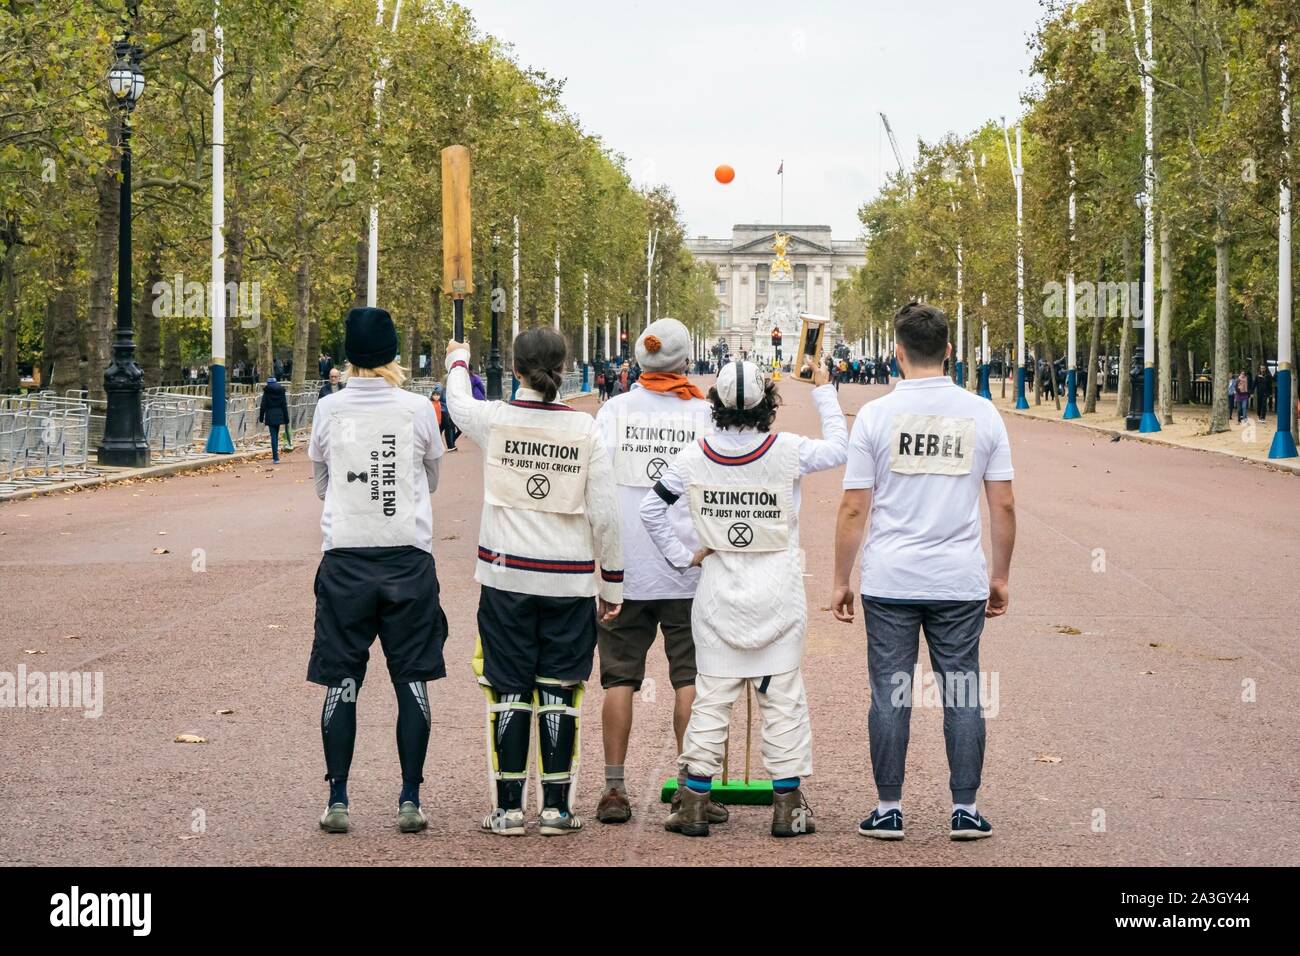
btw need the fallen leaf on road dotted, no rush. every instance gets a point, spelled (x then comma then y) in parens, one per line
(72, 637)
(450, 537)
(162, 532)
(1145, 673)
(1046, 758)
(1157, 644)
(189, 739)
(32, 651)
(1067, 629)
(224, 711)
(161, 551)
(275, 627)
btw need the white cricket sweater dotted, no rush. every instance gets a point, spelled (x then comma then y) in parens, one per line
(750, 614)
(540, 552)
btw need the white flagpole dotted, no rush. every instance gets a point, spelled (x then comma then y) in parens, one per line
(372, 242)
(219, 441)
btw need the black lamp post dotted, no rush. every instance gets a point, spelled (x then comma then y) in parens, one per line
(124, 444)
(494, 352)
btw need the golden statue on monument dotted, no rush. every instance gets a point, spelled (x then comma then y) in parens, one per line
(781, 243)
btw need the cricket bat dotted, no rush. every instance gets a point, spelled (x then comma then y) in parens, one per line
(457, 233)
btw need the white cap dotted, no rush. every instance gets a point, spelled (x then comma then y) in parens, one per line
(740, 382)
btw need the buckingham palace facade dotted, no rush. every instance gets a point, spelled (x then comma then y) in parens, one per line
(741, 273)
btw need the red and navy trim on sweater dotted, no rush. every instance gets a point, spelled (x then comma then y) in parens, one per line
(545, 406)
(545, 565)
(613, 577)
(745, 459)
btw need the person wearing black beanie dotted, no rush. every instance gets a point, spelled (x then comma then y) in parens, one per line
(375, 450)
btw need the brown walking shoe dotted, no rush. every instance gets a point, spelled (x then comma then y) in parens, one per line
(717, 813)
(692, 818)
(791, 815)
(614, 807)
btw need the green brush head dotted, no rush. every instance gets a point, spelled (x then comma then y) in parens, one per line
(756, 793)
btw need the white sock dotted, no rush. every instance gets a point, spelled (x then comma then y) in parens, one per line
(884, 806)
(968, 807)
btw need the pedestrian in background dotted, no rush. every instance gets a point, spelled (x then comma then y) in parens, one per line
(331, 385)
(273, 413)
(1242, 395)
(1263, 388)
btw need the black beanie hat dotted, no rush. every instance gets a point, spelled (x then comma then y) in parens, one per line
(370, 338)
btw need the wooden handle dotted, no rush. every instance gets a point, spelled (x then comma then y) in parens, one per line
(749, 719)
(457, 246)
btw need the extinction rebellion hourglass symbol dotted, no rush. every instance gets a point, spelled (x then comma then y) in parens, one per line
(655, 469)
(740, 535)
(539, 486)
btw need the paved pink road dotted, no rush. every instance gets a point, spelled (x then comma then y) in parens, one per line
(1163, 732)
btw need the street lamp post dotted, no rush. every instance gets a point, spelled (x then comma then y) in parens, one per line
(124, 444)
(494, 350)
(1018, 175)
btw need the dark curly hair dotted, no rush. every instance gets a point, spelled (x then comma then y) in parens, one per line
(760, 416)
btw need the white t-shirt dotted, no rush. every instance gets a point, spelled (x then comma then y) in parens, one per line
(633, 426)
(925, 450)
(374, 408)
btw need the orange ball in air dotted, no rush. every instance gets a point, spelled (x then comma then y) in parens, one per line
(724, 174)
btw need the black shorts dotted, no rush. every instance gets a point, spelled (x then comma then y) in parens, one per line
(391, 593)
(526, 636)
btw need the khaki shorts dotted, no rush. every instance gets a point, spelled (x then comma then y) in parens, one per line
(625, 642)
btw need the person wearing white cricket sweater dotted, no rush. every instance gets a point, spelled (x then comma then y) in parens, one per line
(548, 543)
(750, 614)
(644, 429)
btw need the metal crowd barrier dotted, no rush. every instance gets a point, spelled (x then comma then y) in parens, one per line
(44, 438)
(169, 427)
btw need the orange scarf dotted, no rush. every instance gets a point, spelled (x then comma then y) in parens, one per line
(668, 382)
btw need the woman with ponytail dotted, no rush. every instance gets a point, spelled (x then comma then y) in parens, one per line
(548, 545)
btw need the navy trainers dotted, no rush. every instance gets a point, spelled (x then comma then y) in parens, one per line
(887, 826)
(969, 826)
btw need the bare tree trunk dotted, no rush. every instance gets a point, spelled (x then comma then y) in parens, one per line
(103, 259)
(237, 327)
(1090, 387)
(146, 322)
(411, 343)
(1164, 355)
(1123, 382)
(1219, 405)
(9, 283)
(361, 275)
(64, 361)
(171, 359)
(301, 308)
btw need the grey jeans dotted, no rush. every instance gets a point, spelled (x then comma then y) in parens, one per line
(952, 633)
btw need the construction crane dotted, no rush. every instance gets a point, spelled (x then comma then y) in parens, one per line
(898, 155)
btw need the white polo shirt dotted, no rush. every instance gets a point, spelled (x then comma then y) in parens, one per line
(367, 397)
(925, 450)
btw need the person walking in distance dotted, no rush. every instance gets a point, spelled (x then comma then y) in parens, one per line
(918, 459)
(273, 413)
(749, 617)
(548, 545)
(375, 452)
(644, 430)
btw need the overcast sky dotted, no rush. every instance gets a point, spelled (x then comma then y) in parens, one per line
(679, 86)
